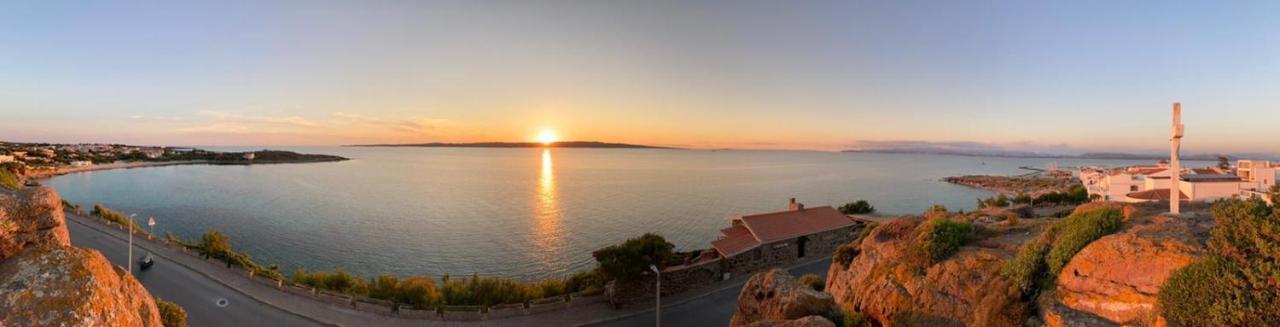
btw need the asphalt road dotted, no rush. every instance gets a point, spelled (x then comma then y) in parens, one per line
(208, 303)
(714, 309)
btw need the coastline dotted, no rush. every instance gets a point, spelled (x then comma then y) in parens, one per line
(46, 174)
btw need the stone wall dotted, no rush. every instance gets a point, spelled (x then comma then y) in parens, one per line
(786, 252)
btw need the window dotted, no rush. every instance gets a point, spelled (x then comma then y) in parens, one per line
(1133, 188)
(757, 254)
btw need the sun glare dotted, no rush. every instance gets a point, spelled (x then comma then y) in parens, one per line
(547, 136)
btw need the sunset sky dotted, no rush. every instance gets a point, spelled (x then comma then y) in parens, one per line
(1038, 75)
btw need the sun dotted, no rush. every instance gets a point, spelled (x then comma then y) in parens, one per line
(547, 136)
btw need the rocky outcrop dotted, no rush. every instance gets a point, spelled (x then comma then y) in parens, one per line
(774, 298)
(71, 287)
(46, 282)
(965, 289)
(1117, 277)
(31, 218)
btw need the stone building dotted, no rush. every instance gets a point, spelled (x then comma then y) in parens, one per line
(776, 239)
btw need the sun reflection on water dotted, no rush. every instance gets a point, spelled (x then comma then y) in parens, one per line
(548, 231)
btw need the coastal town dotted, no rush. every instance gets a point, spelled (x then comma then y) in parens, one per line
(37, 160)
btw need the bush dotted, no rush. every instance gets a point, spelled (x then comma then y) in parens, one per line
(419, 292)
(116, 217)
(846, 253)
(815, 282)
(631, 259)
(9, 180)
(589, 282)
(1238, 284)
(850, 318)
(1077, 231)
(940, 237)
(857, 208)
(1039, 261)
(171, 314)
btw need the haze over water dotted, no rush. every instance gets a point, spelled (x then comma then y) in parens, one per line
(523, 213)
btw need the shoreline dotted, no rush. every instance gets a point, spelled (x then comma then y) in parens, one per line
(47, 174)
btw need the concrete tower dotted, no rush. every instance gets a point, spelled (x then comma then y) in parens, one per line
(1175, 171)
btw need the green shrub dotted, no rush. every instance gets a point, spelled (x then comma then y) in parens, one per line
(846, 253)
(939, 237)
(850, 318)
(171, 314)
(419, 292)
(1077, 231)
(384, 287)
(1039, 261)
(631, 259)
(9, 180)
(857, 208)
(815, 282)
(1238, 284)
(116, 217)
(589, 282)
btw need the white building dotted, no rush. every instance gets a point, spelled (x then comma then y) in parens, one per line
(81, 163)
(1152, 183)
(4, 159)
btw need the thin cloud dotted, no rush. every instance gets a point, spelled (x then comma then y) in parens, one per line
(239, 118)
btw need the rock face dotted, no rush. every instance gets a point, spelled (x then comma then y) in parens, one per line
(1118, 276)
(71, 287)
(774, 298)
(46, 282)
(964, 289)
(31, 218)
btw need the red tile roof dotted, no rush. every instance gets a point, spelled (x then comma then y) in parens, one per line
(1160, 194)
(737, 239)
(781, 225)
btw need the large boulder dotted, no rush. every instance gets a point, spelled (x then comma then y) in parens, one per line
(31, 218)
(964, 289)
(68, 286)
(1117, 277)
(775, 298)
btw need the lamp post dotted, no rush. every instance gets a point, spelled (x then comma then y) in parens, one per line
(657, 309)
(129, 261)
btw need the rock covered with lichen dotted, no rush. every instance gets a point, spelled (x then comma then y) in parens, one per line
(44, 281)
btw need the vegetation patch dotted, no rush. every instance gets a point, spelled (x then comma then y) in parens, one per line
(107, 214)
(1039, 261)
(847, 252)
(1238, 284)
(172, 314)
(631, 259)
(815, 282)
(939, 237)
(860, 207)
(9, 181)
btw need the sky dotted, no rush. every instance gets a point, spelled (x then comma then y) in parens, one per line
(1029, 75)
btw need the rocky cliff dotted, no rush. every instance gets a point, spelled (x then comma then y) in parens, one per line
(1113, 280)
(47, 282)
(1116, 279)
(964, 289)
(774, 298)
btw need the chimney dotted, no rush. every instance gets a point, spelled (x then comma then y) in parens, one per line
(793, 205)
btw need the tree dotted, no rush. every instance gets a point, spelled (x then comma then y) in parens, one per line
(1002, 201)
(631, 259)
(1224, 163)
(1275, 195)
(420, 292)
(857, 208)
(213, 242)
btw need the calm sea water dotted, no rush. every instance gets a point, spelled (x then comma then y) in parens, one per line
(522, 213)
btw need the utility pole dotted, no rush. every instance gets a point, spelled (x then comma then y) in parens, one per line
(1175, 170)
(129, 261)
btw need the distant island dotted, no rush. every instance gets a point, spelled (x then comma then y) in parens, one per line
(567, 144)
(41, 160)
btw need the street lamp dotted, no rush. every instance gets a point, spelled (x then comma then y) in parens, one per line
(657, 310)
(129, 261)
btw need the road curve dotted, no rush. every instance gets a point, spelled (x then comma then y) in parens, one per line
(208, 303)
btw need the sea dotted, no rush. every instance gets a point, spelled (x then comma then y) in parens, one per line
(524, 213)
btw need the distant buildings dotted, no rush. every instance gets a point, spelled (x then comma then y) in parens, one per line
(1152, 183)
(6, 158)
(248, 156)
(81, 163)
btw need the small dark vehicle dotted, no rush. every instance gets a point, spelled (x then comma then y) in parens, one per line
(146, 261)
